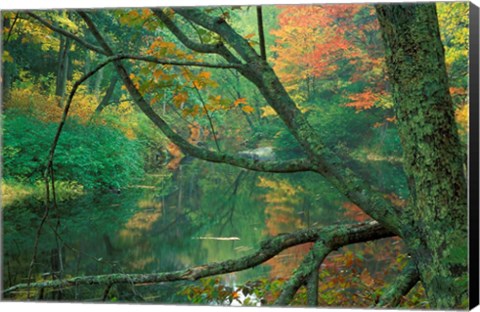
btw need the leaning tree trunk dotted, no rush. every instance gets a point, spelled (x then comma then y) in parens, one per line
(435, 222)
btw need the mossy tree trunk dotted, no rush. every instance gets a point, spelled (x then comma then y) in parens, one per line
(434, 225)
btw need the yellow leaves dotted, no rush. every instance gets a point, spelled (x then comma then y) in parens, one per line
(461, 116)
(267, 111)
(129, 17)
(64, 21)
(281, 185)
(249, 36)
(46, 107)
(6, 57)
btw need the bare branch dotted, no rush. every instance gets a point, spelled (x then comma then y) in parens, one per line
(10, 30)
(407, 279)
(335, 236)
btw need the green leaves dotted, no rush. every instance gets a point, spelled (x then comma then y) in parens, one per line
(95, 156)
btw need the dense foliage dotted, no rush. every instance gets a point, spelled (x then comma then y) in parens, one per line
(155, 208)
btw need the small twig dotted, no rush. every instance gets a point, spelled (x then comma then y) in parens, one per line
(208, 116)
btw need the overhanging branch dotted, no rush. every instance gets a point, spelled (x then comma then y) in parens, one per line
(195, 151)
(218, 48)
(338, 235)
(257, 71)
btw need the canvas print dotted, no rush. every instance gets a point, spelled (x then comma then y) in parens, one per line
(283, 155)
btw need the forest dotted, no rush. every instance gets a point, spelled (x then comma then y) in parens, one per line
(290, 155)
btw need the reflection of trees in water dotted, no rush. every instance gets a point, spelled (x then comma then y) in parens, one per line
(149, 228)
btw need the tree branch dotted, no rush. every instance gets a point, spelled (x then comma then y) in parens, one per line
(205, 154)
(220, 27)
(67, 34)
(338, 235)
(326, 162)
(321, 159)
(261, 34)
(309, 265)
(317, 254)
(407, 279)
(10, 30)
(152, 59)
(218, 48)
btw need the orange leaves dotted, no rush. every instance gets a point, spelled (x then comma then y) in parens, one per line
(367, 279)
(362, 101)
(245, 107)
(162, 48)
(46, 108)
(239, 101)
(204, 75)
(354, 212)
(203, 79)
(180, 98)
(248, 109)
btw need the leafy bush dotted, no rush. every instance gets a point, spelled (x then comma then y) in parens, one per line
(96, 156)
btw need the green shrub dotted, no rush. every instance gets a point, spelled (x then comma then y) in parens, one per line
(96, 156)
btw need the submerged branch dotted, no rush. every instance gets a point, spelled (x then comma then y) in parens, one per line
(338, 235)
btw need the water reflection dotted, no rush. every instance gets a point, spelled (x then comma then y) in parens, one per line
(153, 225)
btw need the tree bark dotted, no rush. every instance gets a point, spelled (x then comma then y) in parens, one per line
(62, 69)
(435, 221)
(106, 99)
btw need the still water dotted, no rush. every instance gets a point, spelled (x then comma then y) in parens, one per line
(172, 219)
